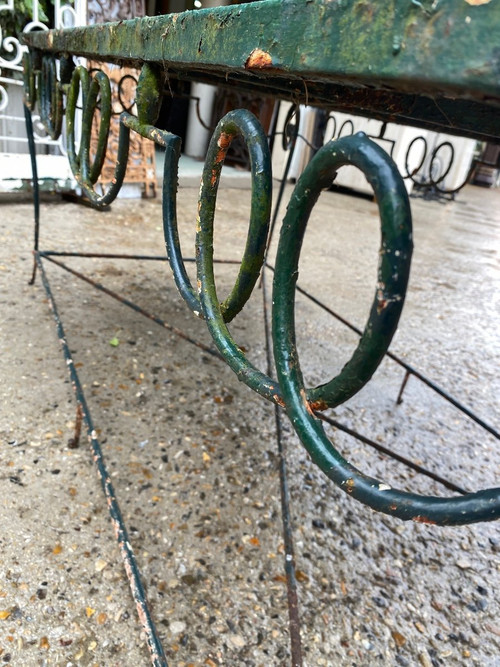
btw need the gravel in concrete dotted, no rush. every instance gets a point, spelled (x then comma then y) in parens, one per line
(193, 458)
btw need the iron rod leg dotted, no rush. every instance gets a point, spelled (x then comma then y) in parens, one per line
(403, 386)
(157, 654)
(36, 189)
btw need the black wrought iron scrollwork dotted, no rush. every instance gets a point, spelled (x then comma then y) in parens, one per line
(288, 390)
(432, 180)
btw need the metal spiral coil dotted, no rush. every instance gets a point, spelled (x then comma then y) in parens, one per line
(429, 180)
(288, 390)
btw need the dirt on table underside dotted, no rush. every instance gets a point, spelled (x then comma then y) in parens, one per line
(193, 458)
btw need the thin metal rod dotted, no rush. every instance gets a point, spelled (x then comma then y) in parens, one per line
(389, 452)
(132, 305)
(36, 188)
(281, 190)
(101, 255)
(291, 580)
(110, 255)
(180, 333)
(157, 655)
(399, 399)
(406, 366)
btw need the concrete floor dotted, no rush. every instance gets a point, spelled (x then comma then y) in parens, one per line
(193, 458)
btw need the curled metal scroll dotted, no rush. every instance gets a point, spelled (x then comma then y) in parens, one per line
(51, 104)
(391, 195)
(85, 172)
(434, 179)
(394, 255)
(245, 124)
(394, 263)
(29, 80)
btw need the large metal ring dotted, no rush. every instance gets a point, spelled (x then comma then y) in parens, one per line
(392, 200)
(243, 123)
(217, 314)
(51, 107)
(95, 90)
(394, 258)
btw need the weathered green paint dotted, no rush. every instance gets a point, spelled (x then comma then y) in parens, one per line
(393, 270)
(243, 123)
(396, 239)
(394, 254)
(149, 93)
(301, 50)
(49, 94)
(97, 87)
(30, 82)
(86, 174)
(246, 125)
(222, 51)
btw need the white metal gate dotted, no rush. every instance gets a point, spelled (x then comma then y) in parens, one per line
(15, 169)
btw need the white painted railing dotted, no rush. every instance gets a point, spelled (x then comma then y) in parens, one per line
(12, 133)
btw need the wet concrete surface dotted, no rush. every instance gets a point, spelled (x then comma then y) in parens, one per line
(193, 455)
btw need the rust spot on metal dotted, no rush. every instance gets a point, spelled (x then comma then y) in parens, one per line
(279, 400)
(349, 483)
(116, 526)
(221, 154)
(198, 219)
(259, 59)
(306, 402)
(318, 405)
(423, 519)
(224, 140)
(381, 301)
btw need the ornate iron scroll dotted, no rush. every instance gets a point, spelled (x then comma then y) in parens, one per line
(437, 170)
(288, 390)
(141, 158)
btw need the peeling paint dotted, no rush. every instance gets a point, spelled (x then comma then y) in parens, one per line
(424, 519)
(259, 59)
(224, 140)
(277, 399)
(318, 405)
(306, 402)
(382, 302)
(349, 484)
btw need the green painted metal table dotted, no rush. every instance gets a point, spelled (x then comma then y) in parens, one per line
(435, 65)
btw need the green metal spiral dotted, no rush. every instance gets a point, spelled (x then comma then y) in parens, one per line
(216, 314)
(394, 264)
(396, 250)
(29, 81)
(50, 96)
(244, 124)
(85, 173)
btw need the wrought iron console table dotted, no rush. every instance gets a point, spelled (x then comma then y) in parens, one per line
(431, 64)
